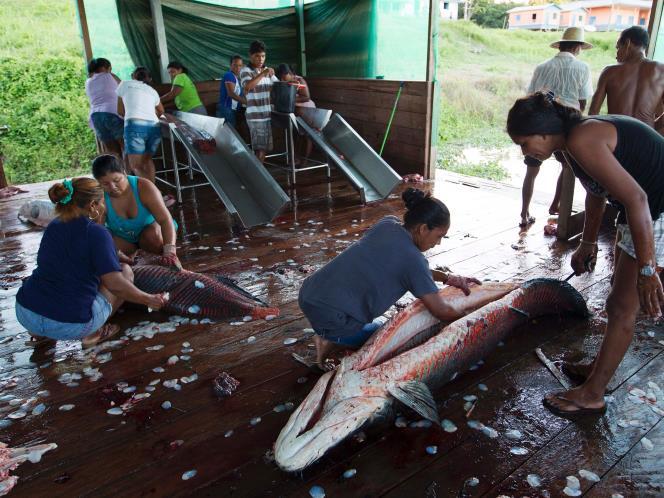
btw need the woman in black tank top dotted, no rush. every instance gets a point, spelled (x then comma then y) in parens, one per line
(620, 159)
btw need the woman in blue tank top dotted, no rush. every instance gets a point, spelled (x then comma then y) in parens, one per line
(135, 211)
(620, 159)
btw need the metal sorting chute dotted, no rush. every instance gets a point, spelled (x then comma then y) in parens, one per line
(369, 174)
(242, 183)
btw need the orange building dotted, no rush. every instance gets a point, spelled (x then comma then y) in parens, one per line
(616, 15)
(535, 17)
(602, 15)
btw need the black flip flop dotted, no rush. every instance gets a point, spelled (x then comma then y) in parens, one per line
(578, 412)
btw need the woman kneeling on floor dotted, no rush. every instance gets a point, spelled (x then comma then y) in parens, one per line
(136, 213)
(342, 299)
(79, 282)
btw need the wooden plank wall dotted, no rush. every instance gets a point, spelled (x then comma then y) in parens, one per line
(366, 105)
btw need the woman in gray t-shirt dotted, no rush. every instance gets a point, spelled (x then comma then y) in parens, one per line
(343, 298)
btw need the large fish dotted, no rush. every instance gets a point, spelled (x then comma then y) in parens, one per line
(404, 361)
(199, 295)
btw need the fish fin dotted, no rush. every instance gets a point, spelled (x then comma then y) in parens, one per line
(233, 285)
(416, 395)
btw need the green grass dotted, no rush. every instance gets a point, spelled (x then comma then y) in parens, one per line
(482, 72)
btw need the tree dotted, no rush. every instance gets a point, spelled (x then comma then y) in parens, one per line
(489, 14)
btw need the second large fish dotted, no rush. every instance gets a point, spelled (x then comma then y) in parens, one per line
(200, 295)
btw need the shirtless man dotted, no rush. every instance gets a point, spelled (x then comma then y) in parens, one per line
(634, 86)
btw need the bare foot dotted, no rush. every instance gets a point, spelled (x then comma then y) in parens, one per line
(103, 334)
(323, 349)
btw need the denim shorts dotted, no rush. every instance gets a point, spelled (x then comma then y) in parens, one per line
(230, 115)
(261, 135)
(39, 325)
(108, 126)
(141, 136)
(353, 340)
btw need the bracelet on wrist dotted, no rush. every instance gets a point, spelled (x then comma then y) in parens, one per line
(588, 243)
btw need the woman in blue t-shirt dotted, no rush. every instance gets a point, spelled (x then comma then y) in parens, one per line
(136, 213)
(342, 298)
(79, 282)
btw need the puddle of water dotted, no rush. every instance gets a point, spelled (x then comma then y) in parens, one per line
(511, 159)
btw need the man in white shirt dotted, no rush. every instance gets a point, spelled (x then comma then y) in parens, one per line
(569, 80)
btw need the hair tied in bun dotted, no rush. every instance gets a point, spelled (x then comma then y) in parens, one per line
(70, 189)
(412, 197)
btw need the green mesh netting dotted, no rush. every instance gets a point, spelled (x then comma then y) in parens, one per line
(340, 35)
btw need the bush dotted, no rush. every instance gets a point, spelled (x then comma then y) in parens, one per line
(47, 112)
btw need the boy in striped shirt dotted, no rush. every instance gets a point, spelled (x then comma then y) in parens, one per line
(256, 80)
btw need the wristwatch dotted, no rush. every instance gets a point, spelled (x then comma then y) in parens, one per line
(647, 270)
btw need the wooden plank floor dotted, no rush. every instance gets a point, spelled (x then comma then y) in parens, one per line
(147, 450)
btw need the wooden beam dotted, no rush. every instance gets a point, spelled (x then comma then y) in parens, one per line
(160, 38)
(654, 25)
(85, 32)
(431, 130)
(299, 11)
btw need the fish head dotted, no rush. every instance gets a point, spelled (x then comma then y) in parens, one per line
(341, 402)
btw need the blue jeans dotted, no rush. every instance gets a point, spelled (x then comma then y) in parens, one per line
(141, 136)
(351, 340)
(108, 126)
(39, 325)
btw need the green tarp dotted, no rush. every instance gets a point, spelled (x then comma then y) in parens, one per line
(340, 36)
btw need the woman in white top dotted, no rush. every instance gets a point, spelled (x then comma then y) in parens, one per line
(101, 87)
(142, 132)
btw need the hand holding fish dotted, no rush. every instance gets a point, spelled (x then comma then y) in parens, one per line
(156, 301)
(584, 257)
(170, 258)
(651, 295)
(461, 282)
(125, 259)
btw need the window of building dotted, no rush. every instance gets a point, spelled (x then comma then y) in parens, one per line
(518, 17)
(619, 20)
(642, 21)
(446, 6)
(630, 20)
(592, 20)
(580, 18)
(554, 16)
(534, 17)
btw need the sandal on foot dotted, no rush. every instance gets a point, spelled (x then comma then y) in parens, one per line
(103, 334)
(312, 365)
(529, 221)
(577, 412)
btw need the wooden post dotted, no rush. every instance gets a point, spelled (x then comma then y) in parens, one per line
(299, 11)
(433, 95)
(160, 38)
(85, 32)
(654, 25)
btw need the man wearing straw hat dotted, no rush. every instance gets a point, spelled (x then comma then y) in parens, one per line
(569, 80)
